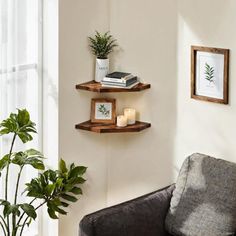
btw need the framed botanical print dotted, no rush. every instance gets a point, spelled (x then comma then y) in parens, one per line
(103, 110)
(209, 74)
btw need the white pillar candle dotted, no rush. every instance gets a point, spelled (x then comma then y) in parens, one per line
(121, 121)
(130, 114)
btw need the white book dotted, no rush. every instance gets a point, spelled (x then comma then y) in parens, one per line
(119, 80)
(117, 86)
(128, 83)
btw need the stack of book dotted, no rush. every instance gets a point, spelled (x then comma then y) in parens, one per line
(119, 80)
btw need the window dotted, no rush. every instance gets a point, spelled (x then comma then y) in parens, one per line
(21, 70)
(20, 56)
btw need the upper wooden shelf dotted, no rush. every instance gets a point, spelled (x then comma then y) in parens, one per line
(97, 87)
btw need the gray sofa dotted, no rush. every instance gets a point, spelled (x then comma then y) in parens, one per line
(138, 217)
(201, 203)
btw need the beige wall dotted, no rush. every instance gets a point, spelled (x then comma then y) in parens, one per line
(202, 126)
(77, 20)
(154, 38)
(146, 32)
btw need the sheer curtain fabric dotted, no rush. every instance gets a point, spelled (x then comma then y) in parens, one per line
(20, 76)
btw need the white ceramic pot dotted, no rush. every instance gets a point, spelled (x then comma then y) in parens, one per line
(102, 69)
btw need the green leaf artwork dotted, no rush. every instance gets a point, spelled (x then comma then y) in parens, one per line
(209, 73)
(102, 109)
(51, 187)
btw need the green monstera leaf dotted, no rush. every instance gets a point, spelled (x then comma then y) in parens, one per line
(57, 186)
(19, 124)
(29, 157)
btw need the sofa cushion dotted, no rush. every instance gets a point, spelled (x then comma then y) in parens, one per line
(204, 200)
(143, 216)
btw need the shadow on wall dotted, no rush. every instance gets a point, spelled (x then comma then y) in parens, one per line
(143, 162)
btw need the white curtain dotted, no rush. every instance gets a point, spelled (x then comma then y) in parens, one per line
(20, 75)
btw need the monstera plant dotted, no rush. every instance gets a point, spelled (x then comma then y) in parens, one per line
(53, 188)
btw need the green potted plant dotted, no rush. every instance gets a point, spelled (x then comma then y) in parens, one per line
(102, 45)
(53, 188)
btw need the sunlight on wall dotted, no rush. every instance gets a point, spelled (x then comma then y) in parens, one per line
(202, 126)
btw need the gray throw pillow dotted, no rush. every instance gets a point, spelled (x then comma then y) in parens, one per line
(204, 200)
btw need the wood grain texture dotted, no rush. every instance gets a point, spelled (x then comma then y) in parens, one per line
(225, 52)
(105, 128)
(97, 87)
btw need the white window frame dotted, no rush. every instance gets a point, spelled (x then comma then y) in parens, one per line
(40, 72)
(49, 106)
(40, 92)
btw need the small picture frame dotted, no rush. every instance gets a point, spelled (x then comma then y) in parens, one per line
(209, 74)
(103, 110)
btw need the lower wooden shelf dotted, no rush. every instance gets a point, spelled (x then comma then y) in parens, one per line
(105, 128)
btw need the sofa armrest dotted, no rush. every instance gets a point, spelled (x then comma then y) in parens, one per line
(138, 217)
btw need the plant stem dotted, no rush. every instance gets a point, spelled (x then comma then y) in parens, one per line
(3, 229)
(4, 222)
(17, 184)
(15, 201)
(6, 180)
(22, 228)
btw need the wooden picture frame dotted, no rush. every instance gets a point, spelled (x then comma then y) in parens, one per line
(103, 110)
(209, 74)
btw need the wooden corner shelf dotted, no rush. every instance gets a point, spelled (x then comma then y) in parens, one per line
(104, 128)
(97, 87)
